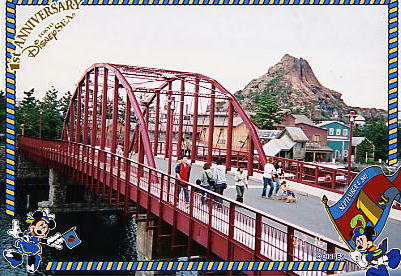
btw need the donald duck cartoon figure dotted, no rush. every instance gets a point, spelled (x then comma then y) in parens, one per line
(369, 255)
(28, 244)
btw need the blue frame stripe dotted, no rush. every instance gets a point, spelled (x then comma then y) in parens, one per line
(246, 266)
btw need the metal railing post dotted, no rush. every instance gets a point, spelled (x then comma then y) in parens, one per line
(231, 226)
(258, 236)
(290, 243)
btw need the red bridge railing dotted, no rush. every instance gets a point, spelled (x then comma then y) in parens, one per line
(226, 228)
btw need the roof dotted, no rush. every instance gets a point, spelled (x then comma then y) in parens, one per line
(356, 141)
(314, 126)
(359, 118)
(296, 134)
(302, 119)
(317, 147)
(324, 123)
(273, 147)
(285, 142)
(268, 133)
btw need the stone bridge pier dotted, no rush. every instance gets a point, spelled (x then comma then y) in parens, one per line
(156, 240)
(57, 190)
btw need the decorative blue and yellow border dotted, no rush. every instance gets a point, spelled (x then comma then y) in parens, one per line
(10, 108)
(392, 82)
(197, 266)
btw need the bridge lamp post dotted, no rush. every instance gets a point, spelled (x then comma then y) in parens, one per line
(171, 103)
(351, 124)
(40, 123)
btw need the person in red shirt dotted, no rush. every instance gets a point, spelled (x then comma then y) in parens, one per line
(183, 171)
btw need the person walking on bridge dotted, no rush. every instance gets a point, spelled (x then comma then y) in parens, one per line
(269, 171)
(183, 171)
(219, 177)
(241, 181)
(206, 181)
(187, 145)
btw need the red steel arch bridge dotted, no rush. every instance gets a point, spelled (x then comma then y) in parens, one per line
(122, 118)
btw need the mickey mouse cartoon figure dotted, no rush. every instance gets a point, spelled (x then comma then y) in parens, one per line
(28, 243)
(367, 254)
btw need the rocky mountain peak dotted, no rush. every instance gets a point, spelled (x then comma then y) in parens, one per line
(297, 89)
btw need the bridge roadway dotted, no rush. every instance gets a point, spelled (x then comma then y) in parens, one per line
(307, 212)
(233, 221)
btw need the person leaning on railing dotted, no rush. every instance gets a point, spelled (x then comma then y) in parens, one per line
(183, 170)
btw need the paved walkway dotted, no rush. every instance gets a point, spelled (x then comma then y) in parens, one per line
(308, 212)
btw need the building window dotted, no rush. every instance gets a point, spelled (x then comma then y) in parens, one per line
(316, 138)
(338, 131)
(345, 132)
(331, 131)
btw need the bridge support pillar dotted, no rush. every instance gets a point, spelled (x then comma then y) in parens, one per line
(145, 240)
(57, 190)
(155, 241)
(149, 245)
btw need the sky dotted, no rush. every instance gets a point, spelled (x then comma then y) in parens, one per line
(345, 46)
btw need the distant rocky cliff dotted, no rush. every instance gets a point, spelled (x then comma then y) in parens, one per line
(298, 90)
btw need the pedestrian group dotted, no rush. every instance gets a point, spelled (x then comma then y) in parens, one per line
(215, 180)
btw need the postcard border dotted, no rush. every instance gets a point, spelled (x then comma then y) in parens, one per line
(10, 74)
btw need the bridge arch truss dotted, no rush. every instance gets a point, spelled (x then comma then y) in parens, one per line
(149, 111)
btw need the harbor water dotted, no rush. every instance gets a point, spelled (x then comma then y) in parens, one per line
(107, 235)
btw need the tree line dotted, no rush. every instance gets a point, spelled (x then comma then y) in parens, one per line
(267, 113)
(52, 107)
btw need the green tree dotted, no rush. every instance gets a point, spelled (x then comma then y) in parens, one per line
(267, 111)
(52, 118)
(64, 102)
(376, 131)
(365, 149)
(27, 114)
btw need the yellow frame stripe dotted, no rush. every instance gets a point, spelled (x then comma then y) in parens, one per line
(320, 267)
(280, 266)
(9, 202)
(301, 265)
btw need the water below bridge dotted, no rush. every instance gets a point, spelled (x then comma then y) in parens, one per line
(113, 240)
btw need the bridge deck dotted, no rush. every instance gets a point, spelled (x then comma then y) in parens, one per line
(307, 212)
(230, 230)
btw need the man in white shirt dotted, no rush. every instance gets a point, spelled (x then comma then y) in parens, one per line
(219, 177)
(269, 172)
